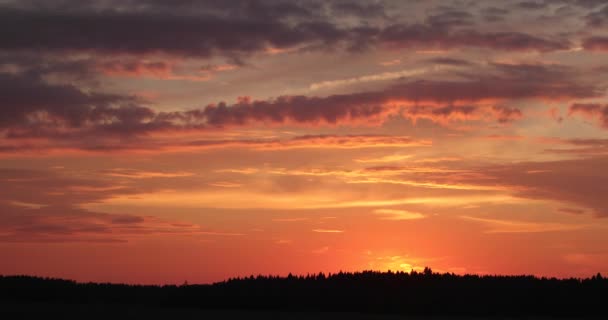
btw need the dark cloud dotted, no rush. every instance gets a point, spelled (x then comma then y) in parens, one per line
(33, 107)
(236, 30)
(25, 98)
(443, 114)
(596, 44)
(495, 11)
(298, 109)
(46, 206)
(532, 5)
(135, 67)
(534, 72)
(594, 111)
(272, 9)
(580, 182)
(588, 142)
(37, 66)
(36, 109)
(358, 9)
(494, 14)
(49, 188)
(506, 114)
(450, 18)
(571, 210)
(579, 147)
(403, 36)
(515, 83)
(540, 4)
(588, 3)
(449, 61)
(19, 223)
(446, 114)
(144, 33)
(578, 151)
(599, 18)
(125, 219)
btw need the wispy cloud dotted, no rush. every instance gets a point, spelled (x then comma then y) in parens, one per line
(225, 184)
(389, 63)
(321, 250)
(516, 226)
(140, 174)
(238, 170)
(289, 219)
(384, 159)
(398, 215)
(368, 78)
(327, 230)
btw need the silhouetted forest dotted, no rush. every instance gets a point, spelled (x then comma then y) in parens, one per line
(415, 293)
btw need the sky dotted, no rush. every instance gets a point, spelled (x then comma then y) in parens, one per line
(168, 141)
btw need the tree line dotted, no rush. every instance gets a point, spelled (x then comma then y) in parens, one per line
(415, 293)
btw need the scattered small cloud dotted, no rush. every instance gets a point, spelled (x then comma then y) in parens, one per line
(225, 184)
(515, 226)
(390, 63)
(321, 250)
(398, 215)
(327, 230)
(383, 159)
(368, 78)
(239, 170)
(140, 174)
(571, 210)
(289, 219)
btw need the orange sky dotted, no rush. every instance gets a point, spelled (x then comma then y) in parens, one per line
(200, 141)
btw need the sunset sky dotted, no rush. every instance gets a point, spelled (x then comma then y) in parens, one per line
(162, 141)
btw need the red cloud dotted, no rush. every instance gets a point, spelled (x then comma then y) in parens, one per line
(580, 181)
(168, 145)
(51, 112)
(71, 224)
(404, 36)
(45, 206)
(145, 69)
(506, 114)
(591, 111)
(596, 44)
(136, 68)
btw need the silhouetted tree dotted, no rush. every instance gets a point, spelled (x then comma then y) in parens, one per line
(425, 293)
(427, 271)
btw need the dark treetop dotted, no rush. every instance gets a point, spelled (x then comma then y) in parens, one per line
(415, 293)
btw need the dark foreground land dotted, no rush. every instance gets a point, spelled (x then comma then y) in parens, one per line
(114, 312)
(362, 295)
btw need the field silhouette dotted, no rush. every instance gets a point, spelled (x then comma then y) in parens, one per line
(417, 294)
